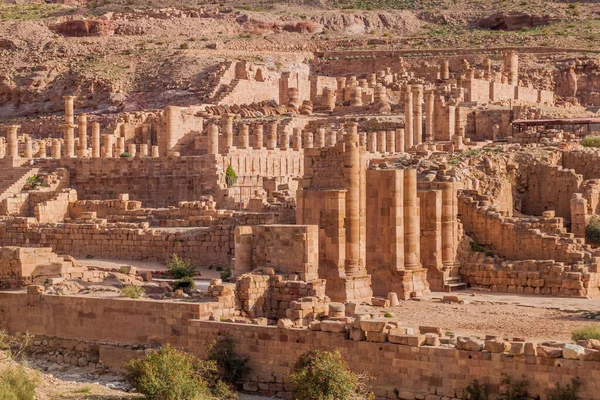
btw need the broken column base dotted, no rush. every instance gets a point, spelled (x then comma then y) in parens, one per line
(406, 284)
(355, 288)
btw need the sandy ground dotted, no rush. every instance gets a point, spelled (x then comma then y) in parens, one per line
(533, 318)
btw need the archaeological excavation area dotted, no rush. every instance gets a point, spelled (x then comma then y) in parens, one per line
(323, 207)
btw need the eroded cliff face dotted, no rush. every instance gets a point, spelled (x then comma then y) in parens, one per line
(580, 79)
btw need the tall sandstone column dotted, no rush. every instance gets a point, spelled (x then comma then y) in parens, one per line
(429, 108)
(213, 139)
(69, 113)
(69, 139)
(297, 139)
(411, 220)
(108, 146)
(244, 142)
(372, 142)
(272, 136)
(42, 149)
(284, 142)
(12, 141)
(418, 114)
(381, 142)
(308, 140)
(391, 141)
(320, 138)
(82, 132)
(28, 153)
(56, 148)
(258, 136)
(448, 223)
(408, 118)
(352, 177)
(227, 130)
(400, 141)
(96, 140)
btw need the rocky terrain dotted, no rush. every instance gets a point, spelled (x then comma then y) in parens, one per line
(130, 55)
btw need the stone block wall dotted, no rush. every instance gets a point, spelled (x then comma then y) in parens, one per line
(203, 246)
(584, 161)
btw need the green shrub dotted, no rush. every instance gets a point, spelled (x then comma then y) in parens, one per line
(591, 331)
(590, 141)
(477, 391)
(225, 275)
(323, 375)
(184, 46)
(515, 390)
(592, 230)
(230, 176)
(184, 283)
(125, 155)
(476, 248)
(171, 374)
(133, 292)
(234, 369)
(179, 268)
(16, 384)
(388, 315)
(569, 392)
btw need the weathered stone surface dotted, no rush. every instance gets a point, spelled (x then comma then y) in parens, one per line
(549, 352)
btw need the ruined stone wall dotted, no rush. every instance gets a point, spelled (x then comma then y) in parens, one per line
(55, 208)
(398, 369)
(477, 90)
(156, 182)
(501, 91)
(486, 119)
(202, 246)
(512, 238)
(584, 161)
(548, 187)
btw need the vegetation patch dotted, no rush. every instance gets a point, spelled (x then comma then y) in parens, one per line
(26, 12)
(179, 268)
(591, 331)
(590, 141)
(592, 230)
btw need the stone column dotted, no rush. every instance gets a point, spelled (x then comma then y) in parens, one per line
(411, 220)
(244, 141)
(56, 148)
(341, 86)
(351, 128)
(578, 215)
(297, 139)
(213, 139)
(372, 142)
(284, 139)
(408, 118)
(429, 111)
(227, 130)
(352, 178)
(330, 139)
(143, 150)
(381, 142)
(28, 153)
(69, 114)
(257, 133)
(42, 149)
(293, 97)
(511, 67)
(362, 138)
(320, 138)
(448, 225)
(82, 132)
(391, 142)
(120, 146)
(96, 140)
(308, 140)
(356, 96)
(69, 139)
(418, 114)
(400, 140)
(155, 153)
(131, 149)
(272, 136)
(328, 99)
(12, 141)
(108, 146)
(446, 70)
(2, 147)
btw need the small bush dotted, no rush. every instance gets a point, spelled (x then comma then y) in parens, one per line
(225, 275)
(477, 391)
(590, 141)
(234, 369)
(179, 268)
(476, 248)
(171, 374)
(230, 176)
(184, 283)
(515, 390)
(184, 46)
(592, 230)
(591, 331)
(387, 315)
(323, 375)
(569, 392)
(16, 384)
(133, 292)
(125, 155)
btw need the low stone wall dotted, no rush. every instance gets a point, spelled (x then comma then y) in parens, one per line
(401, 367)
(203, 246)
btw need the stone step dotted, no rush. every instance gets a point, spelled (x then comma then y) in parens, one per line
(455, 286)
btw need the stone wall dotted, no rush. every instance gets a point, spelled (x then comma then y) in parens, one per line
(584, 161)
(202, 246)
(400, 369)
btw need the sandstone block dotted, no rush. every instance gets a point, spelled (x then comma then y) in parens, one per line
(333, 326)
(517, 348)
(431, 329)
(549, 352)
(357, 334)
(432, 339)
(392, 298)
(530, 349)
(380, 302)
(469, 344)
(497, 346)
(408, 340)
(373, 325)
(451, 299)
(573, 351)
(285, 323)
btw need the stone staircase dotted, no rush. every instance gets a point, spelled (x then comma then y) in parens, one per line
(454, 283)
(225, 91)
(12, 180)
